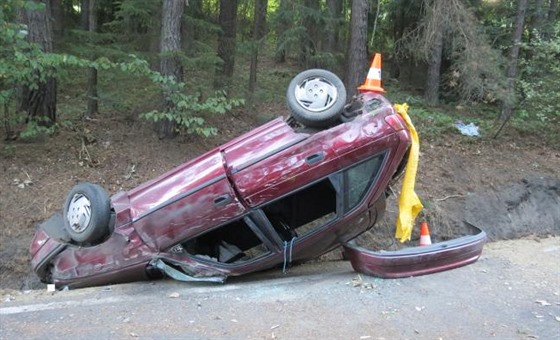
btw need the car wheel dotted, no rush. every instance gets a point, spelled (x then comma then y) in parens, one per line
(316, 97)
(87, 212)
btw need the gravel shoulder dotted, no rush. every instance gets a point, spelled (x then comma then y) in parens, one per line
(512, 292)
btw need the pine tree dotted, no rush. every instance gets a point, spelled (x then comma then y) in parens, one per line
(39, 99)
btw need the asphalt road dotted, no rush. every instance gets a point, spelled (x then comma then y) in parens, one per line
(512, 292)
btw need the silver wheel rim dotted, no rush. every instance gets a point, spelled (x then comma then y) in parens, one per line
(316, 94)
(79, 213)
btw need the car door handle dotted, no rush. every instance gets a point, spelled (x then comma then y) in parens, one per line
(315, 158)
(222, 200)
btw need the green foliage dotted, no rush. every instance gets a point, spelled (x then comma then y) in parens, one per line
(390, 13)
(36, 127)
(477, 35)
(93, 44)
(21, 63)
(431, 123)
(184, 105)
(540, 80)
(476, 72)
(434, 122)
(186, 110)
(136, 17)
(9, 151)
(293, 23)
(538, 108)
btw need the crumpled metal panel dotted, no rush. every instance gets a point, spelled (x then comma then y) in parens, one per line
(123, 249)
(181, 275)
(195, 268)
(43, 250)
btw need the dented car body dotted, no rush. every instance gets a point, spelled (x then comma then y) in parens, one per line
(270, 197)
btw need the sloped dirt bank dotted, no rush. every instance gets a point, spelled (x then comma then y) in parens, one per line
(529, 207)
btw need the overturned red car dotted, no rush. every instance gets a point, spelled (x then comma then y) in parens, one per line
(289, 190)
(286, 191)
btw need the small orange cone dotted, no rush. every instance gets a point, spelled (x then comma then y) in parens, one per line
(373, 79)
(425, 239)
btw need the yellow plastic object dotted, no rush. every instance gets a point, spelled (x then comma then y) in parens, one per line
(409, 203)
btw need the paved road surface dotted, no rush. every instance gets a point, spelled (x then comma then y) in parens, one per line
(512, 292)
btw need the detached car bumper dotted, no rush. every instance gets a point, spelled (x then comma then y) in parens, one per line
(417, 260)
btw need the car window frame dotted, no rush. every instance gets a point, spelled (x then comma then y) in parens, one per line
(371, 183)
(339, 182)
(251, 224)
(260, 224)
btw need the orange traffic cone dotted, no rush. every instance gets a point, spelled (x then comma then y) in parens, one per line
(373, 79)
(425, 239)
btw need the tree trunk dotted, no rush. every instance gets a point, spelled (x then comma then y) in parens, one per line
(309, 45)
(84, 14)
(68, 8)
(92, 104)
(259, 30)
(399, 24)
(540, 15)
(282, 25)
(189, 30)
(550, 19)
(431, 93)
(435, 12)
(226, 42)
(357, 55)
(57, 16)
(333, 31)
(511, 71)
(170, 65)
(375, 20)
(39, 101)
(552, 11)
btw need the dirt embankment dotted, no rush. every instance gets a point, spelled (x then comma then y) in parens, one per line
(510, 190)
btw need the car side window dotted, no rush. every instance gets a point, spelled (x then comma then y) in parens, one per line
(358, 179)
(233, 243)
(304, 211)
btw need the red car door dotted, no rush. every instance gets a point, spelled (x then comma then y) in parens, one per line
(281, 161)
(189, 200)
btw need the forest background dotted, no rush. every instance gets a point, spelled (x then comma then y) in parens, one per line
(176, 62)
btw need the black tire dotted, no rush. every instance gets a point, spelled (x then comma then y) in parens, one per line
(87, 212)
(316, 97)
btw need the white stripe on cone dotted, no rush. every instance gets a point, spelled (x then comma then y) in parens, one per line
(374, 73)
(425, 240)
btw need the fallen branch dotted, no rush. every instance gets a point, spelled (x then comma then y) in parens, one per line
(84, 153)
(448, 197)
